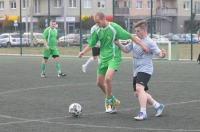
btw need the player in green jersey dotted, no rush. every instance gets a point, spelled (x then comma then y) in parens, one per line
(50, 48)
(110, 55)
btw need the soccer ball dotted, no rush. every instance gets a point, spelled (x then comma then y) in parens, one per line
(75, 109)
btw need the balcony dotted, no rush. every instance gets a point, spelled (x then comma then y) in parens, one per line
(166, 12)
(122, 11)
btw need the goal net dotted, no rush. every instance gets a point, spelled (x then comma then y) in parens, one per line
(171, 49)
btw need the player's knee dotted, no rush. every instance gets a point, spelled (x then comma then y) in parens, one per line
(136, 94)
(139, 88)
(108, 80)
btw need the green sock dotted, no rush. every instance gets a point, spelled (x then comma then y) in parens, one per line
(43, 67)
(58, 67)
(109, 100)
(113, 98)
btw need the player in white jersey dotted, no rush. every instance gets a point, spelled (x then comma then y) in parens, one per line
(95, 53)
(143, 69)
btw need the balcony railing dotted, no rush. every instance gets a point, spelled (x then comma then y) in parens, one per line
(167, 12)
(121, 11)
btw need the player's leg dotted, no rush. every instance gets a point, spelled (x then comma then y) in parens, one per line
(157, 106)
(84, 66)
(140, 83)
(91, 59)
(46, 54)
(55, 55)
(112, 67)
(101, 71)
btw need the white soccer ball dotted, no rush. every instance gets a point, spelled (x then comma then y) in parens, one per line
(75, 109)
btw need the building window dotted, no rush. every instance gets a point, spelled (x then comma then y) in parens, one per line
(72, 3)
(37, 6)
(138, 4)
(101, 3)
(1, 5)
(13, 4)
(197, 7)
(57, 3)
(127, 3)
(25, 4)
(186, 5)
(149, 4)
(87, 4)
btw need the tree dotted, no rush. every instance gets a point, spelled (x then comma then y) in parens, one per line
(8, 26)
(87, 22)
(41, 22)
(192, 25)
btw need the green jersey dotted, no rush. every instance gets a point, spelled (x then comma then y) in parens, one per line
(109, 50)
(50, 34)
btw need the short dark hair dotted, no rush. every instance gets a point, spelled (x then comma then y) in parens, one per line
(101, 15)
(141, 24)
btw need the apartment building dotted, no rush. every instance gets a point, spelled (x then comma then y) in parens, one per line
(169, 16)
(61, 10)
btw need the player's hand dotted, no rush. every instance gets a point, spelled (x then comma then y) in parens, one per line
(117, 42)
(145, 48)
(47, 47)
(163, 52)
(80, 54)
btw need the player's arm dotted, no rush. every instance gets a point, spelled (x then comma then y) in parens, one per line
(137, 41)
(86, 49)
(44, 39)
(162, 53)
(121, 46)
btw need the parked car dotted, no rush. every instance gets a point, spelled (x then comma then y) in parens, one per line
(69, 40)
(175, 38)
(13, 39)
(85, 37)
(37, 38)
(157, 37)
(187, 38)
(3, 42)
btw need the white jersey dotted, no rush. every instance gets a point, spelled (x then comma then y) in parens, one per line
(92, 30)
(142, 61)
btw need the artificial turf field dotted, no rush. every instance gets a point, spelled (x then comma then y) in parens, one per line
(29, 103)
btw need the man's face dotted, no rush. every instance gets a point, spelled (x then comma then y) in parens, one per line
(140, 32)
(99, 22)
(52, 24)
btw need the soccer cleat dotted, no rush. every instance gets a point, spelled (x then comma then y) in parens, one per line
(140, 117)
(43, 75)
(114, 106)
(61, 74)
(84, 68)
(108, 108)
(159, 110)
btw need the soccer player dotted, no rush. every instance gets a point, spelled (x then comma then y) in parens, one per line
(143, 69)
(50, 48)
(110, 55)
(95, 53)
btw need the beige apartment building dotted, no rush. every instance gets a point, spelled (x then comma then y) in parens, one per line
(65, 12)
(169, 16)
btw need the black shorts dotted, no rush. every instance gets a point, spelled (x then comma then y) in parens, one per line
(141, 78)
(95, 51)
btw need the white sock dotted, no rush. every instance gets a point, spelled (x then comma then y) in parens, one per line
(156, 104)
(143, 110)
(91, 59)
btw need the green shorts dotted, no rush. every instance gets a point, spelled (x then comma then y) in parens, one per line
(103, 67)
(52, 51)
